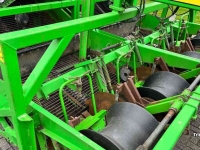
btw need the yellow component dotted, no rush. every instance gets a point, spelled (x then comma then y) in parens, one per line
(192, 2)
(1, 55)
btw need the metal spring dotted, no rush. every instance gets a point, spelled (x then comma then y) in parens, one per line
(101, 73)
(105, 69)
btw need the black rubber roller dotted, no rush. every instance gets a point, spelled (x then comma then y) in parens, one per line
(192, 54)
(196, 40)
(128, 126)
(163, 84)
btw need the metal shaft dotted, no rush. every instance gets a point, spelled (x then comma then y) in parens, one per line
(194, 83)
(157, 131)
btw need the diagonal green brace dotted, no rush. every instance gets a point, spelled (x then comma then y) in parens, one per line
(44, 66)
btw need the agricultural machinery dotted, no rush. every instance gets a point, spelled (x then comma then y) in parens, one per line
(99, 75)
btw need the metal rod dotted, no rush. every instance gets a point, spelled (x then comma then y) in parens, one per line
(157, 131)
(62, 99)
(101, 10)
(117, 67)
(194, 83)
(111, 46)
(138, 54)
(92, 93)
(172, 35)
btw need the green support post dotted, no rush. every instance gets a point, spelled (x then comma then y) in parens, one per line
(23, 124)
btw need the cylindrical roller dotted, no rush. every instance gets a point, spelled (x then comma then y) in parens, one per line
(196, 40)
(128, 126)
(163, 84)
(192, 54)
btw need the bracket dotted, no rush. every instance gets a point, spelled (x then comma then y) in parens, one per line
(159, 61)
(131, 92)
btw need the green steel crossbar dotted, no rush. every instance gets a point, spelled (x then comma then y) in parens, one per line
(60, 131)
(36, 7)
(44, 34)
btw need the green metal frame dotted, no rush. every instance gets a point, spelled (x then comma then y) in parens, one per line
(31, 121)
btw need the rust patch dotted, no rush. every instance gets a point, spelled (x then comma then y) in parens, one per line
(143, 72)
(103, 101)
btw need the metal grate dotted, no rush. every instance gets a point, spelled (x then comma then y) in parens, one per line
(65, 64)
(8, 23)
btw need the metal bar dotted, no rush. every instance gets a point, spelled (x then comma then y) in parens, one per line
(22, 123)
(64, 110)
(161, 105)
(179, 124)
(92, 94)
(182, 61)
(84, 35)
(43, 34)
(44, 66)
(157, 131)
(194, 83)
(35, 7)
(61, 132)
(191, 73)
(41, 140)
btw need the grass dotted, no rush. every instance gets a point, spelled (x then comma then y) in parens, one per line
(181, 11)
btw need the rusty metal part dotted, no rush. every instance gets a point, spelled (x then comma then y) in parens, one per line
(111, 46)
(187, 46)
(85, 114)
(74, 121)
(72, 98)
(160, 61)
(103, 101)
(190, 44)
(143, 72)
(130, 92)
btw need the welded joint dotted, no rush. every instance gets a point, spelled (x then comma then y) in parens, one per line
(177, 105)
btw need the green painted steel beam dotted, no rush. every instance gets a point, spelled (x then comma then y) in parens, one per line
(190, 74)
(23, 125)
(61, 132)
(18, 39)
(7, 131)
(90, 120)
(161, 105)
(4, 107)
(2, 84)
(36, 7)
(44, 67)
(179, 124)
(30, 8)
(172, 59)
